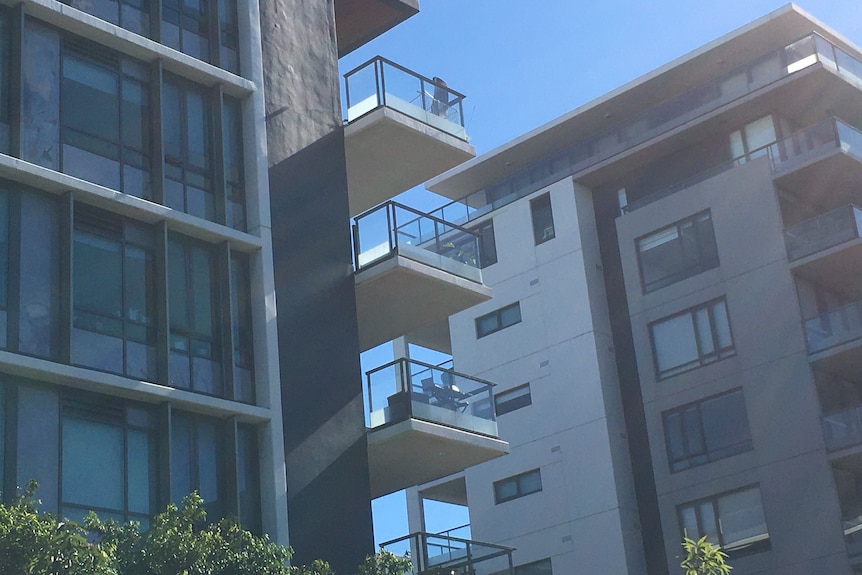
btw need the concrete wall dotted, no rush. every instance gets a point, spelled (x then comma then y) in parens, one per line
(573, 431)
(788, 460)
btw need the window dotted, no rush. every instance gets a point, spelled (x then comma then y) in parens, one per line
(194, 359)
(498, 319)
(751, 141)
(108, 459)
(542, 567)
(133, 15)
(243, 353)
(735, 521)
(487, 243)
(709, 430)
(677, 252)
(187, 133)
(693, 338)
(4, 266)
(185, 26)
(517, 486)
(195, 462)
(543, 218)
(5, 81)
(112, 294)
(512, 399)
(233, 163)
(105, 119)
(248, 476)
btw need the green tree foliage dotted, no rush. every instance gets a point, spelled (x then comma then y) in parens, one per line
(178, 542)
(703, 558)
(33, 543)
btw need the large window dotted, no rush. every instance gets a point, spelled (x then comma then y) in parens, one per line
(108, 459)
(542, 567)
(5, 81)
(196, 464)
(676, 252)
(105, 119)
(517, 486)
(752, 140)
(249, 478)
(233, 163)
(113, 291)
(185, 26)
(487, 243)
(735, 521)
(243, 352)
(708, 430)
(133, 15)
(513, 399)
(498, 319)
(187, 134)
(192, 291)
(692, 338)
(543, 218)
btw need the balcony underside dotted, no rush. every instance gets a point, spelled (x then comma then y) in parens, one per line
(826, 180)
(397, 296)
(389, 152)
(413, 452)
(453, 491)
(838, 268)
(360, 21)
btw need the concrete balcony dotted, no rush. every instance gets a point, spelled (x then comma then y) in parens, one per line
(412, 272)
(402, 129)
(426, 422)
(439, 554)
(357, 22)
(834, 341)
(820, 163)
(828, 250)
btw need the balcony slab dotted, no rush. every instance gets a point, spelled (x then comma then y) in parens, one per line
(399, 295)
(389, 152)
(414, 451)
(360, 21)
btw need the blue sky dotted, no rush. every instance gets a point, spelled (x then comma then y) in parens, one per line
(522, 63)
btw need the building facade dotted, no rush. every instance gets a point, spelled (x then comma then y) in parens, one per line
(674, 325)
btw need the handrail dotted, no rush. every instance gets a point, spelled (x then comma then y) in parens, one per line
(402, 69)
(428, 366)
(419, 215)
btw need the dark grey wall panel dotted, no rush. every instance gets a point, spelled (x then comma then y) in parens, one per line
(328, 487)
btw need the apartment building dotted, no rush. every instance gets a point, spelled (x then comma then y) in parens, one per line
(674, 328)
(178, 306)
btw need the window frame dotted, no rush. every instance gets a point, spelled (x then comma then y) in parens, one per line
(539, 207)
(763, 543)
(498, 315)
(524, 568)
(709, 456)
(487, 242)
(705, 262)
(702, 359)
(517, 481)
(520, 400)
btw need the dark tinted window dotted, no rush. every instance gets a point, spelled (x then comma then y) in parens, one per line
(676, 252)
(498, 319)
(517, 486)
(543, 218)
(513, 399)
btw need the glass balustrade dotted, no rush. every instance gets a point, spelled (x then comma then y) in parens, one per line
(438, 554)
(381, 83)
(823, 232)
(833, 328)
(406, 388)
(392, 228)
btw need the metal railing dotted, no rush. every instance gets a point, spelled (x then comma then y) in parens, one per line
(815, 141)
(382, 83)
(657, 120)
(833, 328)
(407, 388)
(823, 232)
(434, 554)
(392, 228)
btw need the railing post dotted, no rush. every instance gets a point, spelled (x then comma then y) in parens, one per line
(392, 225)
(381, 83)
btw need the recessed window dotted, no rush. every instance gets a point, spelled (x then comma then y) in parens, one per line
(735, 521)
(693, 338)
(196, 460)
(676, 252)
(512, 399)
(498, 319)
(5, 82)
(487, 243)
(543, 218)
(108, 459)
(708, 430)
(752, 140)
(517, 486)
